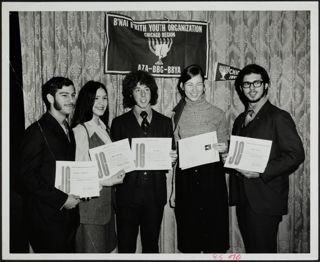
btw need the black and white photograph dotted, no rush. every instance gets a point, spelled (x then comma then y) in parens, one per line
(160, 130)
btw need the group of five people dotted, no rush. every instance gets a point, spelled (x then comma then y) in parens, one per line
(58, 222)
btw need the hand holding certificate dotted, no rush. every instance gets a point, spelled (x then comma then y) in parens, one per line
(78, 178)
(198, 150)
(152, 153)
(113, 157)
(249, 154)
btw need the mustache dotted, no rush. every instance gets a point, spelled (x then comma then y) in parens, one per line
(58, 107)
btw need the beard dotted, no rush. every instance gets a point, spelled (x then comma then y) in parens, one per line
(57, 106)
(259, 98)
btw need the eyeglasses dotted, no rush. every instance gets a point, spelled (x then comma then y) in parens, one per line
(255, 84)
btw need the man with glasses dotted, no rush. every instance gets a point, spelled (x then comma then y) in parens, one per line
(262, 198)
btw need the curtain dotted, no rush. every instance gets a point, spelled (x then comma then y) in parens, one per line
(72, 44)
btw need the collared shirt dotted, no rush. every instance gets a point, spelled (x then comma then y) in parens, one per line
(64, 126)
(137, 111)
(256, 107)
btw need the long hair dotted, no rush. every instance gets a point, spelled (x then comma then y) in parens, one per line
(130, 82)
(86, 98)
(188, 73)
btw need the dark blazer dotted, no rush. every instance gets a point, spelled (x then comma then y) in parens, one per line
(127, 126)
(269, 193)
(39, 152)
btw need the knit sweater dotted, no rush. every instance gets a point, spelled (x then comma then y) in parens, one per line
(199, 117)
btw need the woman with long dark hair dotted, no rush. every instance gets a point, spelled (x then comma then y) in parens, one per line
(96, 233)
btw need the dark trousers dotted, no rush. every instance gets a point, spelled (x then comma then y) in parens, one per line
(54, 236)
(259, 232)
(53, 241)
(145, 214)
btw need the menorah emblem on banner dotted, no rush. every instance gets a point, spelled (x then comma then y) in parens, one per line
(223, 71)
(160, 47)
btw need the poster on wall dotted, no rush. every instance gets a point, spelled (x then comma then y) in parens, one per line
(223, 72)
(161, 47)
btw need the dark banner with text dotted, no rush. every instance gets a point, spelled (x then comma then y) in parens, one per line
(162, 48)
(223, 72)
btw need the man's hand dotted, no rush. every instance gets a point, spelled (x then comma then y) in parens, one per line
(248, 174)
(71, 202)
(220, 147)
(172, 200)
(174, 156)
(114, 180)
(224, 157)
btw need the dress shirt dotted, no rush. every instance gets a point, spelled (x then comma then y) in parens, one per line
(256, 107)
(137, 111)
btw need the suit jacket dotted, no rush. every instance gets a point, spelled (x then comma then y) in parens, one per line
(39, 152)
(269, 193)
(127, 126)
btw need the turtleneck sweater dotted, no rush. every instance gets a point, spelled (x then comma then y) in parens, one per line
(199, 117)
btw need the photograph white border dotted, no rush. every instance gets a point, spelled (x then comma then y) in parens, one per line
(311, 6)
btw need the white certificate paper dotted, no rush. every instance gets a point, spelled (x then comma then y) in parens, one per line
(79, 178)
(152, 153)
(113, 157)
(198, 150)
(249, 154)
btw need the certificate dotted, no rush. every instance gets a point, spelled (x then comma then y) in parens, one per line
(78, 178)
(152, 153)
(198, 150)
(112, 157)
(249, 154)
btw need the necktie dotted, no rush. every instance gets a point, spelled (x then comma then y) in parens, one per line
(249, 117)
(145, 124)
(66, 126)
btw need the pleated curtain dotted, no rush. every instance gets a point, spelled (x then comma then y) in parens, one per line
(72, 44)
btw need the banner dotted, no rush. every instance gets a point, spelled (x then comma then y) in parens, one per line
(161, 47)
(224, 72)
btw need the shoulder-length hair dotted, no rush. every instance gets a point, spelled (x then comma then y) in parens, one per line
(188, 73)
(85, 101)
(130, 82)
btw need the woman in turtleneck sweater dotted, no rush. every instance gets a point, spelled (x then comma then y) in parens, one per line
(200, 193)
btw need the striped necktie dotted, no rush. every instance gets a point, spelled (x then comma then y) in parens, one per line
(144, 124)
(249, 117)
(66, 126)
